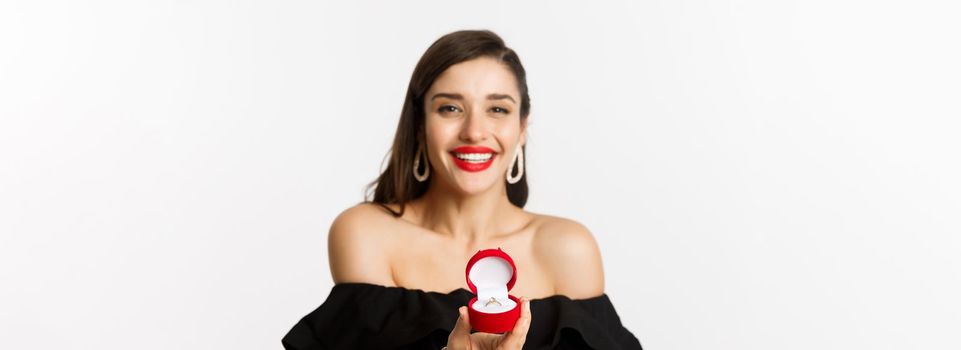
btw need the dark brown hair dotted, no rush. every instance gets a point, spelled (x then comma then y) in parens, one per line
(397, 184)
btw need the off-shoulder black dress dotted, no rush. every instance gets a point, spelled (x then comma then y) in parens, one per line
(369, 316)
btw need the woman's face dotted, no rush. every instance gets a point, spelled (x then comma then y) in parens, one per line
(474, 103)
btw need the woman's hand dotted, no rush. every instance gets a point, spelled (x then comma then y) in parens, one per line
(461, 338)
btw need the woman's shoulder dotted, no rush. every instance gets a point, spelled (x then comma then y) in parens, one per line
(551, 225)
(356, 244)
(365, 211)
(362, 221)
(569, 252)
(558, 235)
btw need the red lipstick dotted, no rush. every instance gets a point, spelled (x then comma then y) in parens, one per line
(472, 166)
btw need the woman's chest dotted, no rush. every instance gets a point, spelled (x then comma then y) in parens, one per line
(431, 265)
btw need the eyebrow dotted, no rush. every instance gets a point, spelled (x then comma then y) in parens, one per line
(461, 97)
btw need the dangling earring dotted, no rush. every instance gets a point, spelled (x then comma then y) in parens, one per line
(519, 158)
(421, 178)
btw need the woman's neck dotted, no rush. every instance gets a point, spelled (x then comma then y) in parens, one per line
(467, 218)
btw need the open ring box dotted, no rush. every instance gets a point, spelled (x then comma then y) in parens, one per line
(490, 274)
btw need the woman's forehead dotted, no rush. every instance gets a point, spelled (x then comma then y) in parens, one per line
(475, 79)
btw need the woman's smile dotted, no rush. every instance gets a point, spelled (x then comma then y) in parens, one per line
(473, 158)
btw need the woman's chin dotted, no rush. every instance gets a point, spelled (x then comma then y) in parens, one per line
(473, 186)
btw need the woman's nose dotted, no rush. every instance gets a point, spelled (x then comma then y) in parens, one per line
(474, 128)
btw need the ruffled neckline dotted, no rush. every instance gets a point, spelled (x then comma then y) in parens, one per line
(372, 316)
(463, 291)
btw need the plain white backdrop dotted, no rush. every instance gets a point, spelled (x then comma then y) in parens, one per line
(758, 174)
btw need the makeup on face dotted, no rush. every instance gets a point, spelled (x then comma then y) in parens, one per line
(473, 158)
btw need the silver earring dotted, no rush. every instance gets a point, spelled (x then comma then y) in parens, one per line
(419, 177)
(519, 159)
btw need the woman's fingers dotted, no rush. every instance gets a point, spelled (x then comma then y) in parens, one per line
(460, 335)
(516, 337)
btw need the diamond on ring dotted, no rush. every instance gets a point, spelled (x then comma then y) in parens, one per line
(493, 301)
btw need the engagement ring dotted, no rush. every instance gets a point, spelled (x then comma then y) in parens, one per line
(494, 301)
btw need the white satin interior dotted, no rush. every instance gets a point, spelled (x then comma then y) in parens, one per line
(490, 275)
(494, 308)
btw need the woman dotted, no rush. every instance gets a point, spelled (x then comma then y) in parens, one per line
(455, 185)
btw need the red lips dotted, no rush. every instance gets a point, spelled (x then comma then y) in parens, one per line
(473, 149)
(469, 166)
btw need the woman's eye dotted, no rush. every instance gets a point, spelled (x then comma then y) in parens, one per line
(500, 110)
(447, 108)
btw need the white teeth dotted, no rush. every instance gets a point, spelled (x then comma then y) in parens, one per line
(474, 157)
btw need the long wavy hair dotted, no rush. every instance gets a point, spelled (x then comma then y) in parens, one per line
(396, 185)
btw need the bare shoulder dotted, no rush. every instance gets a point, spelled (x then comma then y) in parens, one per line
(569, 252)
(356, 246)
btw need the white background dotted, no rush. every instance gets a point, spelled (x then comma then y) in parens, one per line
(758, 174)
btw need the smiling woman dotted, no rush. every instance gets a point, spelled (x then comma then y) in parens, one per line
(468, 90)
(472, 114)
(457, 164)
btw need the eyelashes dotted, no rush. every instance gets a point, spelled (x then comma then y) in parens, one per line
(450, 108)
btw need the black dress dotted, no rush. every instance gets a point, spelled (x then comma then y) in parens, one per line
(369, 316)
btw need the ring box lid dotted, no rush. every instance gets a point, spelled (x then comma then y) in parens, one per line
(491, 273)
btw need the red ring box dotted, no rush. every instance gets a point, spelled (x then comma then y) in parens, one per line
(491, 273)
